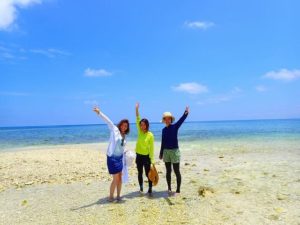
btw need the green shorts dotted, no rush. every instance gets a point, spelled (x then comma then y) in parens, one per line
(171, 155)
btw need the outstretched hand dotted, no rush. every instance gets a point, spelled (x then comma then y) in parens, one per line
(187, 109)
(137, 106)
(96, 110)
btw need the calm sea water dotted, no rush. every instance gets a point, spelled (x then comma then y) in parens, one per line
(14, 137)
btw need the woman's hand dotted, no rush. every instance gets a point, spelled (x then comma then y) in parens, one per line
(187, 109)
(137, 106)
(96, 110)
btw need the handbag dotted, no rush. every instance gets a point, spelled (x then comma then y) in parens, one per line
(129, 157)
(153, 175)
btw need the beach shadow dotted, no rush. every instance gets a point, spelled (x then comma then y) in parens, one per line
(102, 201)
(132, 195)
(155, 195)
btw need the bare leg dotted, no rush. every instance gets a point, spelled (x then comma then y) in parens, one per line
(119, 184)
(113, 187)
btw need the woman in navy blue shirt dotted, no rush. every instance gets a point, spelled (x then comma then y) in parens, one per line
(169, 150)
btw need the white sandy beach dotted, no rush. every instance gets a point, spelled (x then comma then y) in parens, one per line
(223, 183)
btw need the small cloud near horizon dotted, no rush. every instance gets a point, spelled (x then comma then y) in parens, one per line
(97, 73)
(201, 25)
(283, 74)
(215, 100)
(234, 93)
(191, 88)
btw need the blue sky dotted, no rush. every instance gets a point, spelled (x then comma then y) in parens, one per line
(226, 59)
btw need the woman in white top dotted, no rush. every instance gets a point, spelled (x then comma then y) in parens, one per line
(115, 152)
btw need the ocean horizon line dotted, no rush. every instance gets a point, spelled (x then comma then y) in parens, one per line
(156, 122)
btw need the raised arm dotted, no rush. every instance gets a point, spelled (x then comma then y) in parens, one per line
(137, 106)
(110, 124)
(138, 118)
(183, 117)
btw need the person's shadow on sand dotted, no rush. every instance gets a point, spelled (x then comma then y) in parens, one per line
(132, 195)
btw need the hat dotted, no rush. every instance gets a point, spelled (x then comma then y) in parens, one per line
(153, 175)
(167, 114)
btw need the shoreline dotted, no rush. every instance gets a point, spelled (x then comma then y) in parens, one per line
(205, 146)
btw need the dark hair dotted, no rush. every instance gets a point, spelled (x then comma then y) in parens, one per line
(124, 121)
(146, 123)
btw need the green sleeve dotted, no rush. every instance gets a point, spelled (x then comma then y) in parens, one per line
(151, 150)
(138, 119)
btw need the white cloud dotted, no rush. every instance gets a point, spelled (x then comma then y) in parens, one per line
(50, 52)
(226, 97)
(283, 74)
(9, 11)
(9, 93)
(236, 90)
(96, 73)
(4, 49)
(58, 51)
(6, 55)
(216, 100)
(91, 102)
(191, 88)
(11, 52)
(260, 88)
(201, 25)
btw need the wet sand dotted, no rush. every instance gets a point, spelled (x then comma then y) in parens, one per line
(223, 183)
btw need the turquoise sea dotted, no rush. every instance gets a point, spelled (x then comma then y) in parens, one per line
(16, 137)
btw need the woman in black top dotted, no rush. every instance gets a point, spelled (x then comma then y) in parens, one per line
(169, 150)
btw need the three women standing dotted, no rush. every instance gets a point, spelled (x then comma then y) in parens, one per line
(169, 151)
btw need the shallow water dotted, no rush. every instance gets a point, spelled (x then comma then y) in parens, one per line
(285, 132)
